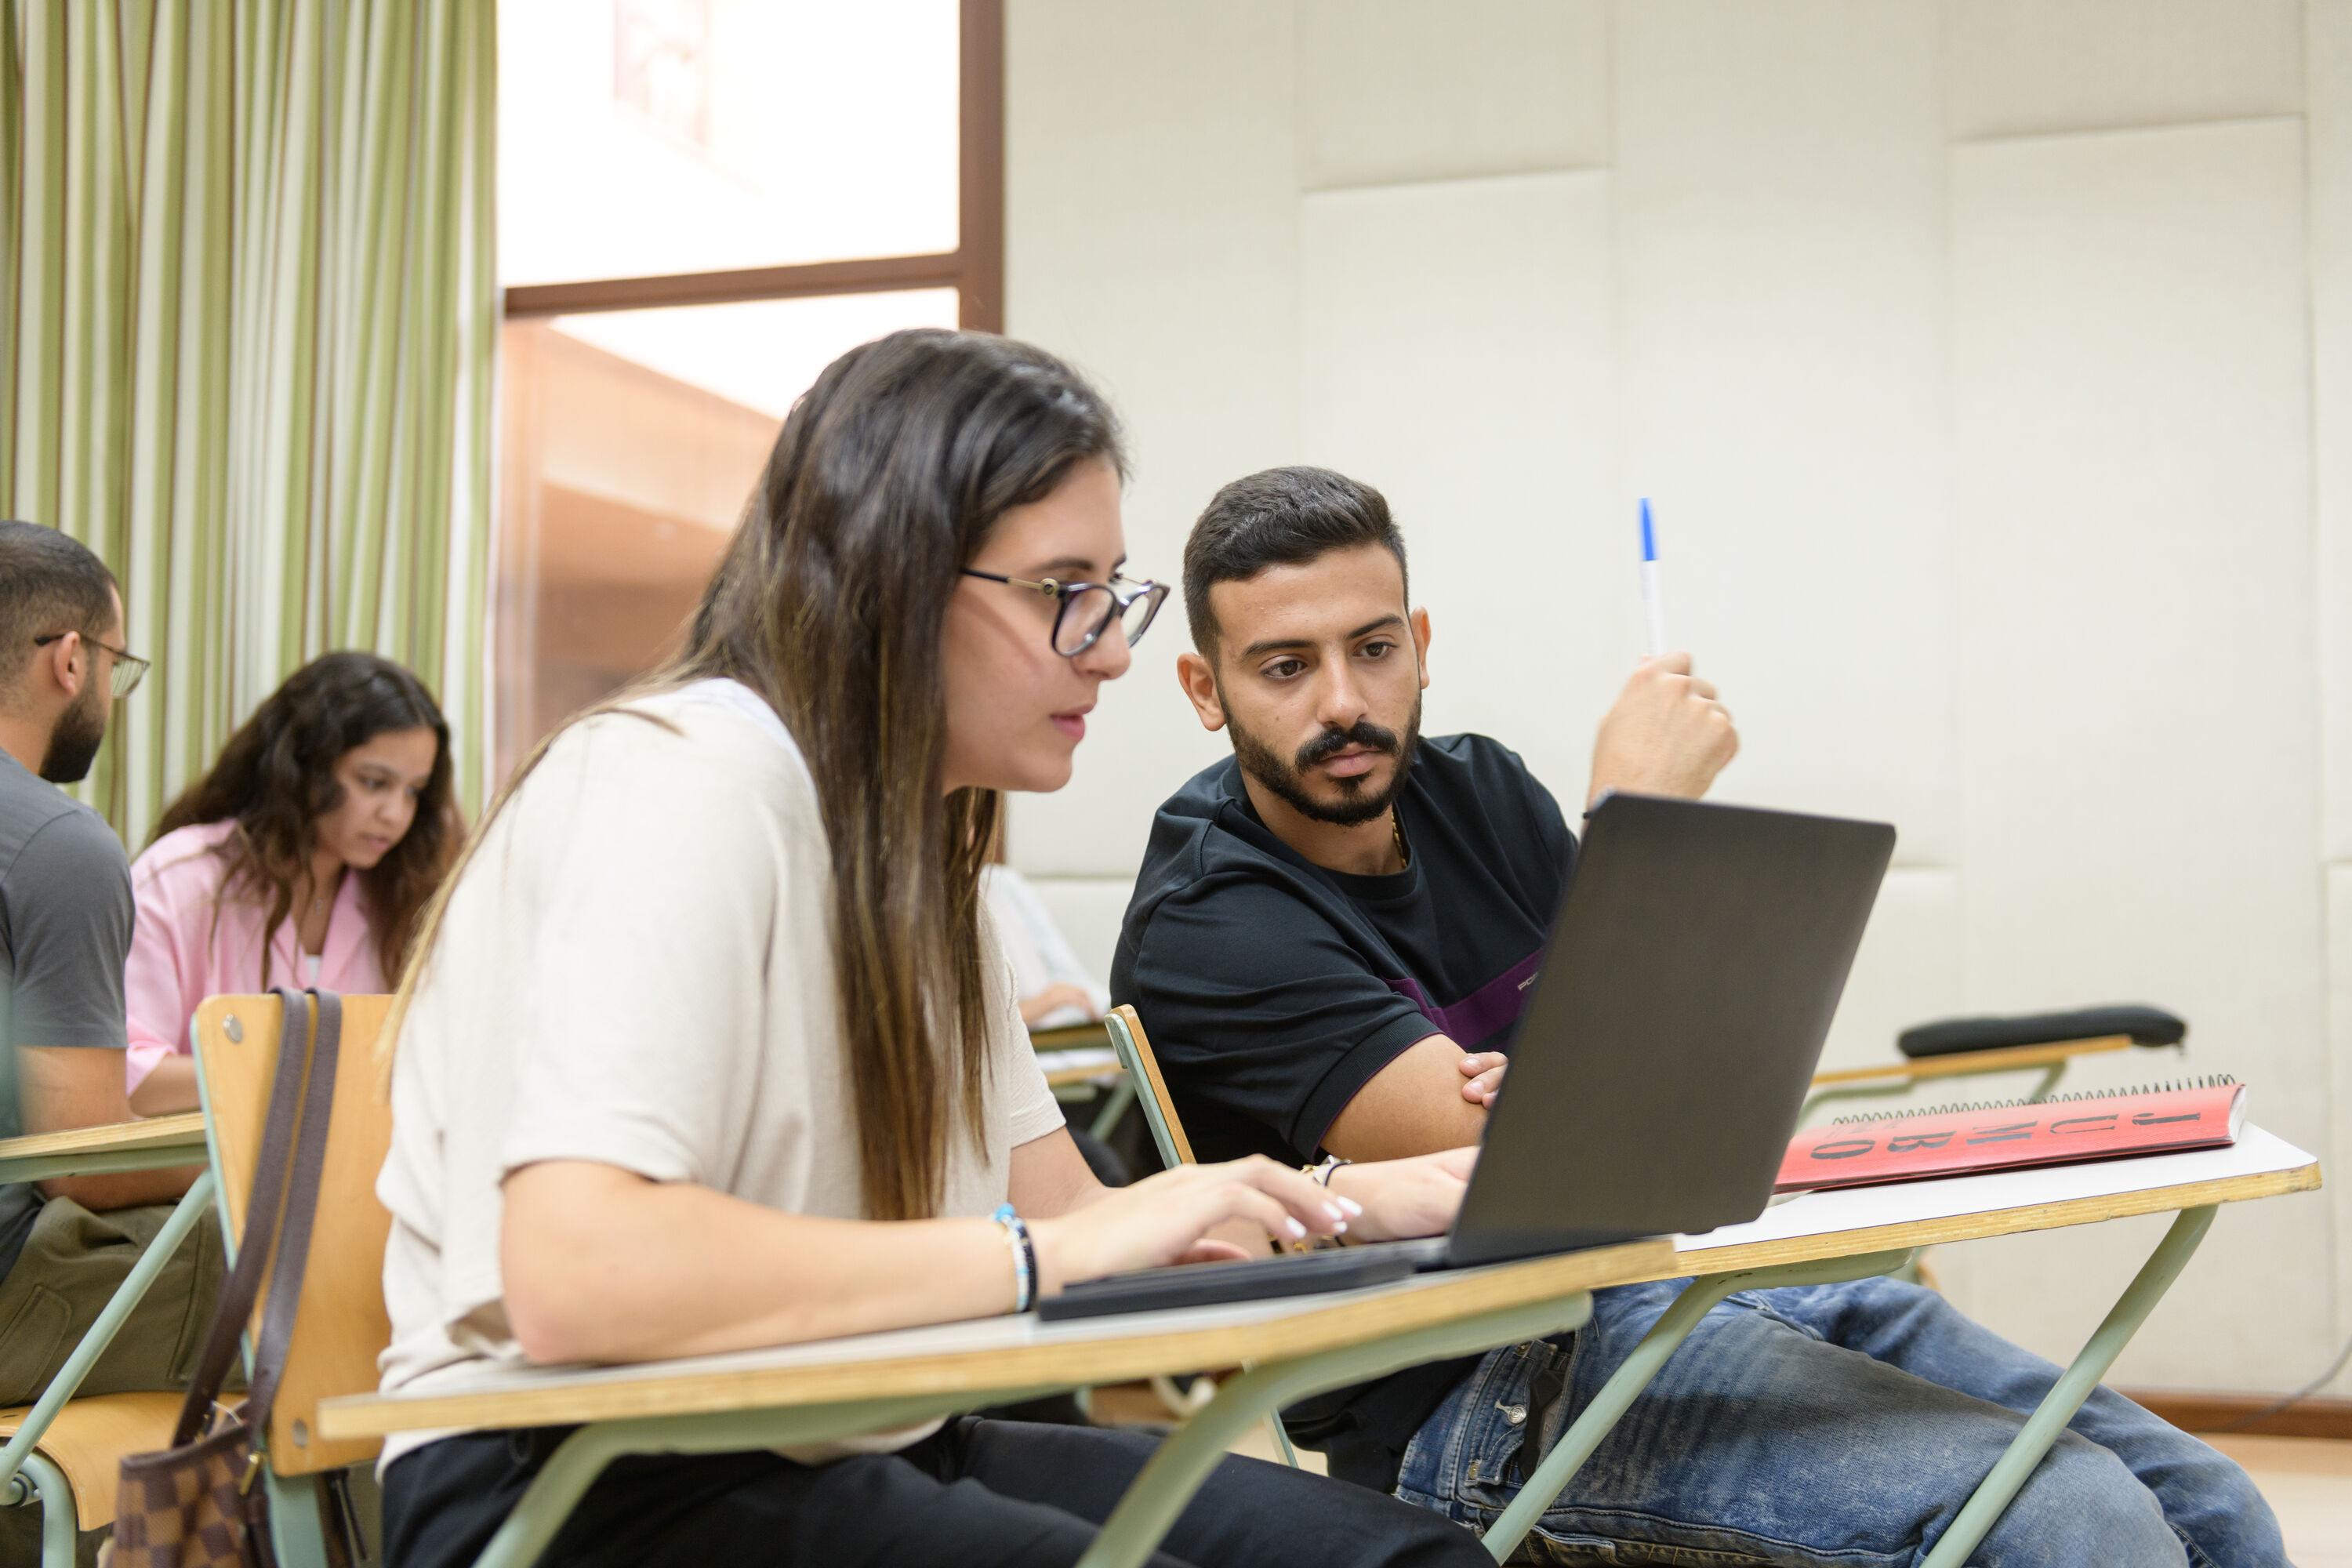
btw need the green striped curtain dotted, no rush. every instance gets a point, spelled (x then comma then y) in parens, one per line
(249, 315)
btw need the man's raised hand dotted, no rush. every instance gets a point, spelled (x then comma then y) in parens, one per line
(1666, 734)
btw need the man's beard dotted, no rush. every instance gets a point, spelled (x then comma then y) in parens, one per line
(1283, 777)
(74, 743)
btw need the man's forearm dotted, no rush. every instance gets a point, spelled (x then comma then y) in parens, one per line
(1412, 1106)
(65, 1088)
(125, 1189)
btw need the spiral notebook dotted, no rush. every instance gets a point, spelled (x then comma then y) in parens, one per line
(2001, 1135)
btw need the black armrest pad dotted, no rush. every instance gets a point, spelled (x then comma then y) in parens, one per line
(1945, 1037)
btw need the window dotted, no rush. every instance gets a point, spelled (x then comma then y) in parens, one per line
(701, 204)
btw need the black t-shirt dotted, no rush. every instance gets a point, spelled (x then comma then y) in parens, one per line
(1274, 990)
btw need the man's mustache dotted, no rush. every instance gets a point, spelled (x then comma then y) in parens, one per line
(1330, 742)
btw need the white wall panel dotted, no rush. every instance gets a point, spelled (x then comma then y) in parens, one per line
(2337, 1157)
(1454, 353)
(1782, 273)
(1152, 236)
(1986, 477)
(2139, 666)
(2330, 133)
(1087, 910)
(2027, 67)
(1393, 90)
(1908, 971)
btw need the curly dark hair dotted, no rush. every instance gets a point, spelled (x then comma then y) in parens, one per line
(275, 778)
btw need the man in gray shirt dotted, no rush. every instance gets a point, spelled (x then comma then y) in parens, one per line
(65, 928)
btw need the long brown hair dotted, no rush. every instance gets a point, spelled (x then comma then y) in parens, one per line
(831, 604)
(275, 778)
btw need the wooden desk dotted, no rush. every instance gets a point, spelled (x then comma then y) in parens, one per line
(972, 1362)
(1854, 1232)
(1959, 1064)
(1810, 1226)
(1077, 1056)
(1899, 1077)
(147, 1145)
(95, 1433)
(803, 1392)
(1070, 1037)
(1084, 1064)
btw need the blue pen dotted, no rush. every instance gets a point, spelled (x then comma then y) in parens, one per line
(1657, 606)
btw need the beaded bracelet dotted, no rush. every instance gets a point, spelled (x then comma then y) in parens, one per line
(1025, 1257)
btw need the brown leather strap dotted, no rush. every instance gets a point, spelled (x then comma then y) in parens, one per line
(286, 1139)
(310, 1165)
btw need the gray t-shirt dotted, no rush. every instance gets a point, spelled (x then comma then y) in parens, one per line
(65, 929)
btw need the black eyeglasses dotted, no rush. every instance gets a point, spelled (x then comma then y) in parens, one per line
(1088, 608)
(128, 667)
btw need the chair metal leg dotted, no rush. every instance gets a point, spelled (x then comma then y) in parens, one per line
(1173, 1475)
(1283, 1447)
(39, 1477)
(1888, 1089)
(296, 1527)
(1114, 1106)
(1699, 1298)
(2025, 1450)
(2049, 1076)
(126, 1299)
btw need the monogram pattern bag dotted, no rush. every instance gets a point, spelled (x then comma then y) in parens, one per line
(200, 1503)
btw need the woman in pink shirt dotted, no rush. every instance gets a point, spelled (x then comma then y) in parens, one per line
(302, 858)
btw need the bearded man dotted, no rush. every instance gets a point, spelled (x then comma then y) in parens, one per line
(1330, 943)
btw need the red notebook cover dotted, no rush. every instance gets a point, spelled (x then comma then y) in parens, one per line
(1952, 1140)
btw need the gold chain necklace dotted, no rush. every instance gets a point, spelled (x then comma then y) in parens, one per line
(1396, 829)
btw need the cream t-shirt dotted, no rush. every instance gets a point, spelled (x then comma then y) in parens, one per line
(636, 969)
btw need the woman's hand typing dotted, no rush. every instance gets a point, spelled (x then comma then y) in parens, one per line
(1167, 1219)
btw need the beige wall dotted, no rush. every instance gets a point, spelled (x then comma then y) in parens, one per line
(1991, 365)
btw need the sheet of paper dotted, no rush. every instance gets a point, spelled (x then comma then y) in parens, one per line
(1862, 1208)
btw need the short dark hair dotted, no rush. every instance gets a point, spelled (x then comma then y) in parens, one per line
(48, 582)
(1282, 517)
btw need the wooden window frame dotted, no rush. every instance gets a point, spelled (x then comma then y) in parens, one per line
(975, 268)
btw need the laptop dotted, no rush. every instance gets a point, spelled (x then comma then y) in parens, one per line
(1657, 1074)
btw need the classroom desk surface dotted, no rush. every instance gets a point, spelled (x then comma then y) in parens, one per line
(999, 1353)
(1844, 1221)
(2007, 1058)
(992, 1354)
(185, 1132)
(145, 1145)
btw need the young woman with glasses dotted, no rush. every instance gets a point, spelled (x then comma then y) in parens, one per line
(710, 1046)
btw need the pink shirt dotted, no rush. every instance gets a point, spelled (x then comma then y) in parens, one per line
(178, 957)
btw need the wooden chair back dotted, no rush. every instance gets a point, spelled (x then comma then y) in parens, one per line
(341, 1325)
(1134, 1048)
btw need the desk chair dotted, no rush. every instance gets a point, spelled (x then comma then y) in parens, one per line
(63, 1450)
(341, 1325)
(1972, 1047)
(1077, 1069)
(1993, 1494)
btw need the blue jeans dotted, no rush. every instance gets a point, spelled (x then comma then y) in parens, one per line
(1841, 1425)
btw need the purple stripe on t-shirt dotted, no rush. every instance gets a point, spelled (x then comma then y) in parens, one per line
(1494, 1006)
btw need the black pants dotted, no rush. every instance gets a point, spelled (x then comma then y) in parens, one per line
(978, 1494)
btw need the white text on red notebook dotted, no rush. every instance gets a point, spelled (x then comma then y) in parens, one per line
(1950, 1140)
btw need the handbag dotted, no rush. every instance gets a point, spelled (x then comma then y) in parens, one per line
(200, 1503)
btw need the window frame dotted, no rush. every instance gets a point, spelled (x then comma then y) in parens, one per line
(975, 268)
